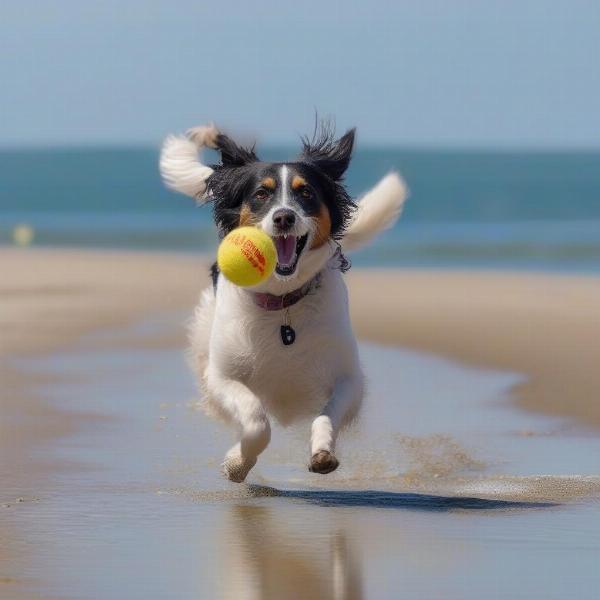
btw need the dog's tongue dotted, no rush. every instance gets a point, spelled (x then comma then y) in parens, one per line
(286, 247)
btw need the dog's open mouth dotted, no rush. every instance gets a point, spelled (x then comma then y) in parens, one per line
(289, 248)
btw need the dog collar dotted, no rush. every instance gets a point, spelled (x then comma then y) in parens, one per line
(273, 302)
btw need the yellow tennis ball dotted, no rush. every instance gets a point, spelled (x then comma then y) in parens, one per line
(247, 256)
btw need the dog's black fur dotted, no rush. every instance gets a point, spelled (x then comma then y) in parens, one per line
(322, 163)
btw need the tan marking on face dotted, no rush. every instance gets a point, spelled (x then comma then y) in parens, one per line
(298, 182)
(269, 183)
(247, 217)
(323, 232)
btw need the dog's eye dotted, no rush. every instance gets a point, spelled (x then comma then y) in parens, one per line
(306, 193)
(261, 194)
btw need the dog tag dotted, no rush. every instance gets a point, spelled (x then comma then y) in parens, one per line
(288, 335)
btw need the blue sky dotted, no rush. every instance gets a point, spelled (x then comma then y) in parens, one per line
(447, 73)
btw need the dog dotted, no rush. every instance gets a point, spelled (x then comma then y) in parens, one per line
(283, 349)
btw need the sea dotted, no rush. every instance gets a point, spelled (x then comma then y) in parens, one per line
(467, 209)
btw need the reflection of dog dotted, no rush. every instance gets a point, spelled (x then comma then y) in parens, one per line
(267, 554)
(285, 347)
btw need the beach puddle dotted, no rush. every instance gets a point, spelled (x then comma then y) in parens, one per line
(445, 490)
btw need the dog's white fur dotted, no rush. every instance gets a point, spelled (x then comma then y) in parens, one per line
(378, 210)
(245, 373)
(179, 165)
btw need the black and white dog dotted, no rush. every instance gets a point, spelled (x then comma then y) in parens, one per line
(284, 348)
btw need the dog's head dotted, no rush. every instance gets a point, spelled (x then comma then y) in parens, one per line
(303, 205)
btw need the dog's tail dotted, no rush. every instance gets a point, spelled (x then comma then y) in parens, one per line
(180, 165)
(377, 211)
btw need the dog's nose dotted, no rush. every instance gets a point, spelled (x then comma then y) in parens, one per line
(284, 219)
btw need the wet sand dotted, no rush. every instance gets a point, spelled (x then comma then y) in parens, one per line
(49, 299)
(84, 333)
(443, 497)
(546, 326)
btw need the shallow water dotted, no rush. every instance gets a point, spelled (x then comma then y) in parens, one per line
(444, 490)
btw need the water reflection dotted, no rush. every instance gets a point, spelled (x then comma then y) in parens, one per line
(269, 557)
(316, 544)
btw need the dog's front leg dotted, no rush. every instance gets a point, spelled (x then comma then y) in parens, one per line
(340, 410)
(244, 410)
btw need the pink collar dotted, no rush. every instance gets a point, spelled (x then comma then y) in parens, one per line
(272, 302)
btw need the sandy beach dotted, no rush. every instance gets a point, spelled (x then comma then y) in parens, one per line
(544, 328)
(50, 299)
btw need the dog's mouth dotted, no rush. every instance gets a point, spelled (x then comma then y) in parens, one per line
(289, 248)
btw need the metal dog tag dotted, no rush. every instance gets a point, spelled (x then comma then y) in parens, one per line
(288, 335)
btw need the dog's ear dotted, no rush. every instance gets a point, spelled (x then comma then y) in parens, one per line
(233, 155)
(330, 155)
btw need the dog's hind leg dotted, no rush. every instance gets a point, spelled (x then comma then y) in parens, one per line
(243, 409)
(339, 411)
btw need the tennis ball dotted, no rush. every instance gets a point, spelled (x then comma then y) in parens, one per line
(247, 256)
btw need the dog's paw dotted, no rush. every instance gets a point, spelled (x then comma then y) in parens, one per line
(235, 467)
(323, 462)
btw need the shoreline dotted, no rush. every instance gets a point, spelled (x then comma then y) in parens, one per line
(544, 326)
(49, 301)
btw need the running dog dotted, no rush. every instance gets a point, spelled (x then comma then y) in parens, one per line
(284, 348)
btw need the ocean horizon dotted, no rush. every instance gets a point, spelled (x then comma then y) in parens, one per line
(526, 210)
